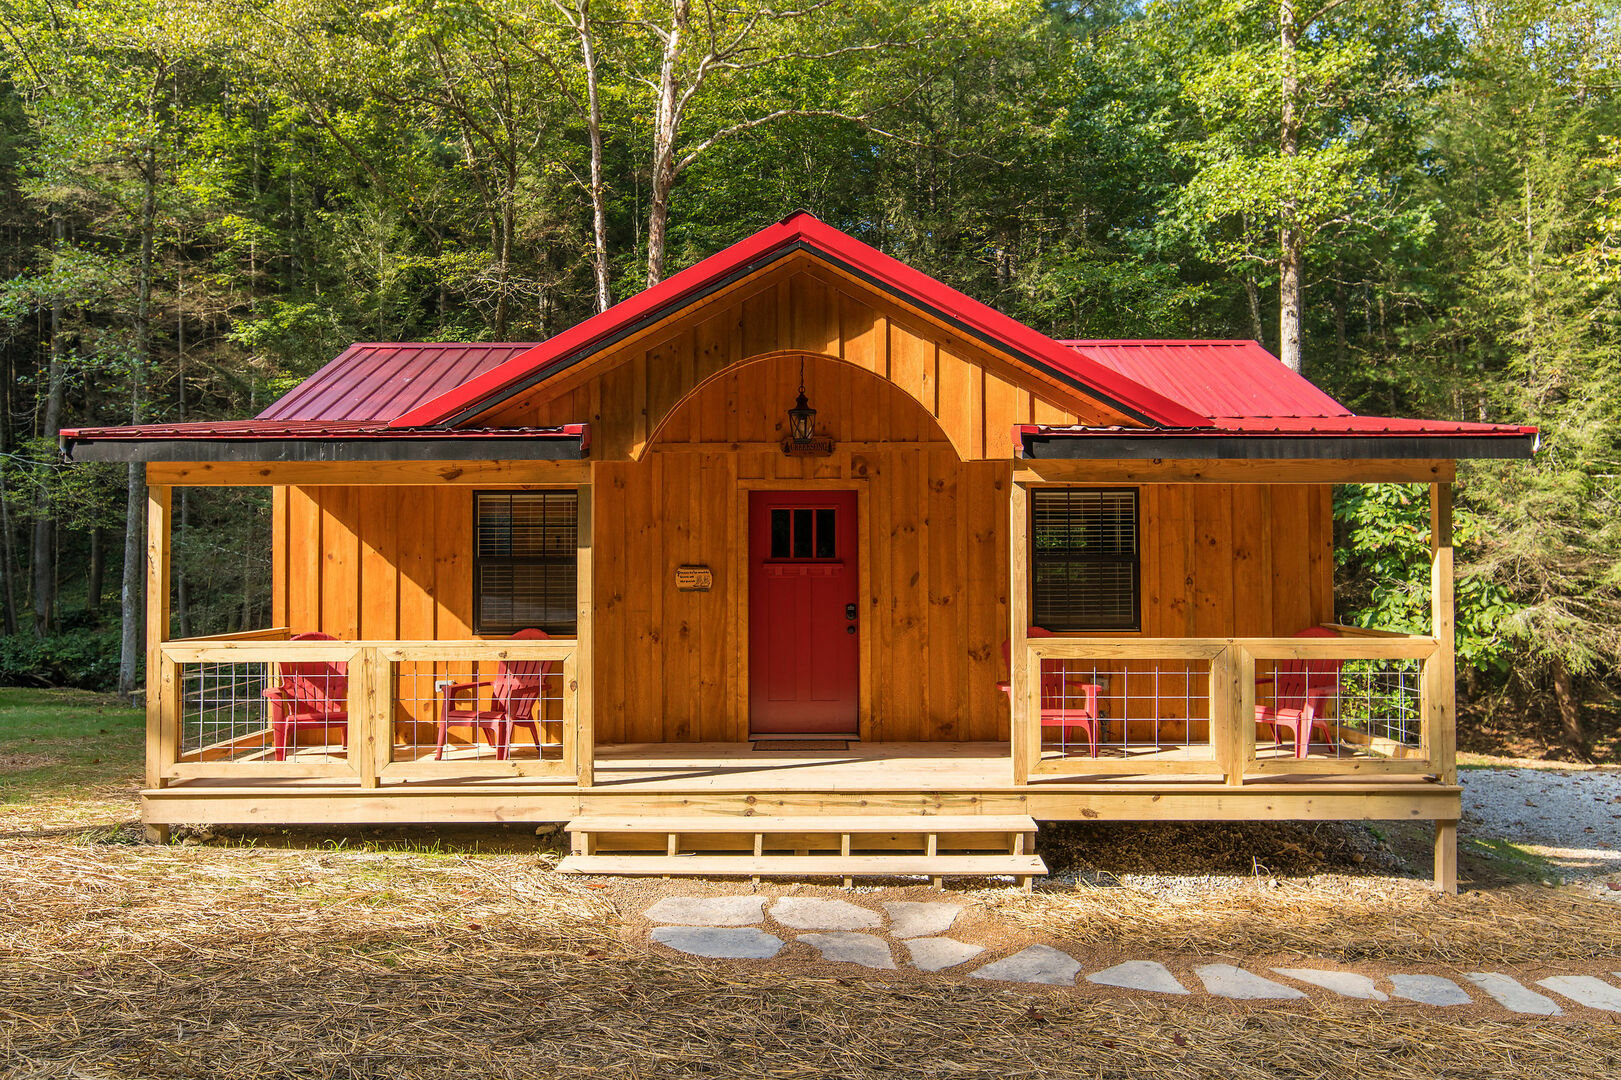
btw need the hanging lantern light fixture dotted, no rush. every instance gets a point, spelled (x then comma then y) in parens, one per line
(802, 439)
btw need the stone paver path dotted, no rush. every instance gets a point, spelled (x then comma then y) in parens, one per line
(1512, 996)
(849, 947)
(1428, 990)
(753, 927)
(803, 914)
(1139, 975)
(1225, 980)
(907, 920)
(719, 942)
(1037, 964)
(939, 953)
(1344, 983)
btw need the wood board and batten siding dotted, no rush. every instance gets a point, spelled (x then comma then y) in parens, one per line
(974, 395)
(672, 666)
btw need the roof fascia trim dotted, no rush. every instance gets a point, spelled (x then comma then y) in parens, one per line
(461, 448)
(1273, 447)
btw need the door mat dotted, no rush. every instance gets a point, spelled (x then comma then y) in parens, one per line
(802, 744)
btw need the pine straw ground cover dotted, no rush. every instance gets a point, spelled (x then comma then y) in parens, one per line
(127, 961)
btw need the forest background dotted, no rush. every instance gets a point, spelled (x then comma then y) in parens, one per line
(1415, 202)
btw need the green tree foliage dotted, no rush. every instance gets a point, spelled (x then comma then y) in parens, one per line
(206, 200)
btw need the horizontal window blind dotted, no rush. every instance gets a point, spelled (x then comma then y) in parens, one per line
(1084, 559)
(524, 568)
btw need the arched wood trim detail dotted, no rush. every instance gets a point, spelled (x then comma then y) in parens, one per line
(657, 431)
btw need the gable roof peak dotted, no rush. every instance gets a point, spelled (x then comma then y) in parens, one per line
(803, 232)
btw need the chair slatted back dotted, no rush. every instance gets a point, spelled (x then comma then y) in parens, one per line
(519, 684)
(1308, 682)
(322, 686)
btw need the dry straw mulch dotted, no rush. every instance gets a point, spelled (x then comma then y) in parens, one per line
(230, 963)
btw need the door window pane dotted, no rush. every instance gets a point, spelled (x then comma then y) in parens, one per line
(780, 531)
(802, 534)
(825, 532)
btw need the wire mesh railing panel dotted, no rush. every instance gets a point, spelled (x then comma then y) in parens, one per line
(1145, 711)
(258, 711)
(478, 711)
(1328, 708)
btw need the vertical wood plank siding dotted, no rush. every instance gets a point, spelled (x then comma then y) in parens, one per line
(684, 423)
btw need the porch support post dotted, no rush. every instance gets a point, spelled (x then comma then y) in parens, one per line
(160, 733)
(1023, 740)
(585, 738)
(1440, 689)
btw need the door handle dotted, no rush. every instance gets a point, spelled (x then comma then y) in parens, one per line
(850, 628)
(850, 612)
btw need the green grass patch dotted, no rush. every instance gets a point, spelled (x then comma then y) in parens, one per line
(55, 743)
(1511, 861)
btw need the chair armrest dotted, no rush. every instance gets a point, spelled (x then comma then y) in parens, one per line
(276, 693)
(445, 686)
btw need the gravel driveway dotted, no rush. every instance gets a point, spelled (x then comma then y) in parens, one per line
(1571, 818)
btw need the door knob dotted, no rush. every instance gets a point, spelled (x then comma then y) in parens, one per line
(850, 629)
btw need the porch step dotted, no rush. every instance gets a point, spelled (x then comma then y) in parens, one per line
(863, 824)
(721, 845)
(796, 866)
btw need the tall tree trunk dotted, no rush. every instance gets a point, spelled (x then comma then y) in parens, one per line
(1290, 254)
(97, 574)
(132, 590)
(1253, 295)
(8, 558)
(1571, 727)
(44, 514)
(599, 195)
(666, 123)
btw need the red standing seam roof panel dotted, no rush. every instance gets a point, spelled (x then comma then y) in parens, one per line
(1214, 378)
(383, 381)
(802, 231)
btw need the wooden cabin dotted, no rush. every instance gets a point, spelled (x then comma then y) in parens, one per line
(817, 567)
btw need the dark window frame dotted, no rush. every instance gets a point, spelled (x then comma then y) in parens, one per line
(569, 563)
(1040, 614)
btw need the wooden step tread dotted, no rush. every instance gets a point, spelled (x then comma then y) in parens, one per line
(805, 865)
(860, 825)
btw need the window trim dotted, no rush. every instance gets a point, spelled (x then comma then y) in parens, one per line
(480, 628)
(1135, 559)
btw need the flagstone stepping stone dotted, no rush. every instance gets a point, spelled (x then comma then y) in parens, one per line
(939, 953)
(803, 913)
(1587, 990)
(719, 942)
(846, 947)
(909, 920)
(1429, 990)
(1037, 964)
(1511, 995)
(1344, 983)
(709, 910)
(1139, 975)
(1227, 981)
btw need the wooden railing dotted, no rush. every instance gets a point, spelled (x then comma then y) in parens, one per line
(1102, 707)
(368, 711)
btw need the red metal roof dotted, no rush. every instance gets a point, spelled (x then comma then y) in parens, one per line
(312, 429)
(1359, 426)
(384, 381)
(1214, 378)
(800, 232)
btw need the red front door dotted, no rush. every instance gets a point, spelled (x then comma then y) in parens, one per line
(804, 627)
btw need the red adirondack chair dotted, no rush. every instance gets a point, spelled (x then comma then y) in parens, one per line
(1058, 708)
(1301, 692)
(312, 694)
(515, 692)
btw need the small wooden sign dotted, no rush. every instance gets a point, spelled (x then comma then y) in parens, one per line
(694, 578)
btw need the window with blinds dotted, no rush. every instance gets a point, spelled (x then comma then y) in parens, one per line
(1084, 559)
(524, 561)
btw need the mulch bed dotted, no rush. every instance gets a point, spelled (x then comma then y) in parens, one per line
(120, 961)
